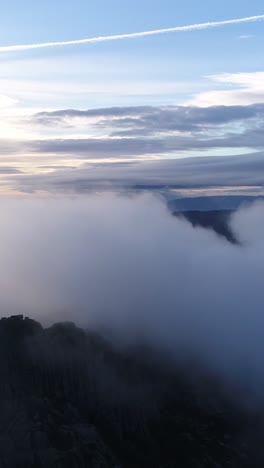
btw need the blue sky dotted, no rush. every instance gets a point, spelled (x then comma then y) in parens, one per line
(202, 68)
(41, 21)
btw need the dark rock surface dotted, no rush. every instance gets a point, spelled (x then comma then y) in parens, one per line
(218, 221)
(68, 399)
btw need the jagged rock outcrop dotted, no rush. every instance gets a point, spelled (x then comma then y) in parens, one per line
(68, 399)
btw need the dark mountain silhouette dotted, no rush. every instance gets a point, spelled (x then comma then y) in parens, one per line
(212, 212)
(218, 221)
(69, 399)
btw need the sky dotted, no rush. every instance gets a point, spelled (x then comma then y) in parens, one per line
(90, 112)
(181, 112)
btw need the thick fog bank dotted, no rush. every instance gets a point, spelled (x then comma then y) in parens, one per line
(125, 264)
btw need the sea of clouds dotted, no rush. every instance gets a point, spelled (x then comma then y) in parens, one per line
(125, 264)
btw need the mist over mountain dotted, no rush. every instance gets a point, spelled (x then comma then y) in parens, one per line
(70, 398)
(167, 367)
(125, 265)
(131, 234)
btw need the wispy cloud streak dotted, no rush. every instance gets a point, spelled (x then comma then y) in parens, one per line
(190, 27)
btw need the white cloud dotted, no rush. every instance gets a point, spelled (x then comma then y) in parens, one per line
(6, 101)
(126, 263)
(38, 94)
(246, 89)
(41, 90)
(189, 27)
(246, 36)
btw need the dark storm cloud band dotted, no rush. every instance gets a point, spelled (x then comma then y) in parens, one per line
(188, 173)
(149, 119)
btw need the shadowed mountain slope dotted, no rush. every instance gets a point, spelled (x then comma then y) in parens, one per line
(218, 221)
(69, 399)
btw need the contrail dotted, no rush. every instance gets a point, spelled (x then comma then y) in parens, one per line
(190, 27)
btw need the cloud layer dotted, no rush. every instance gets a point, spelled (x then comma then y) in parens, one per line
(246, 89)
(127, 265)
(71, 136)
(72, 146)
(144, 120)
(242, 172)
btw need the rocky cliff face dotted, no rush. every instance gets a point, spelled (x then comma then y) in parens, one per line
(68, 399)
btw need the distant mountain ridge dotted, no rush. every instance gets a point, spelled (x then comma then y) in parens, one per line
(216, 220)
(208, 203)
